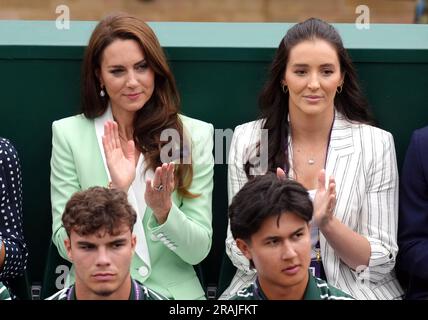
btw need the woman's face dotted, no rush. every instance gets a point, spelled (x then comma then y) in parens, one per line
(312, 75)
(126, 75)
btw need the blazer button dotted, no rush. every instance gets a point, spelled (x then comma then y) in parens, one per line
(154, 237)
(143, 271)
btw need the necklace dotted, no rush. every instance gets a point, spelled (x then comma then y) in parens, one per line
(311, 160)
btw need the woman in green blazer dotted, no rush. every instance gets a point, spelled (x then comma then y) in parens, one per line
(130, 136)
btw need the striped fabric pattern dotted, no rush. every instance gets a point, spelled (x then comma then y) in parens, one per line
(4, 294)
(147, 294)
(362, 159)
(316, 289)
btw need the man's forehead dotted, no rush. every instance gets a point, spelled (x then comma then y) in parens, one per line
(103, 233)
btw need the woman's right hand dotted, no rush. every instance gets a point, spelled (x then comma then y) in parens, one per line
(121, 163)
(325, 201)
(280, 173)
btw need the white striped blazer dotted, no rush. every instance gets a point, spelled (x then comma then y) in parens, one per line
(362, 160)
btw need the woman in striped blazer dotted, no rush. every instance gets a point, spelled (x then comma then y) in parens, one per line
(315, 124)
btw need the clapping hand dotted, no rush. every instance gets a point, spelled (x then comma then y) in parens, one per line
(159, 190)
(280, 173)
(325, 200)
(121, 163)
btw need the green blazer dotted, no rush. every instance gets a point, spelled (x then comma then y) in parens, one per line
(173, 247)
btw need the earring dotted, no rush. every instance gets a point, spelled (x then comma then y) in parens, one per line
(102, 93)
(339, 88)
(284, 88)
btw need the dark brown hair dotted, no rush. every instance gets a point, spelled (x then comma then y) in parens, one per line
(159, 113)
(265, 196)
(96, 209)
(273, 102)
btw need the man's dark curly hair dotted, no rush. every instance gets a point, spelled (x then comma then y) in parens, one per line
(96, 209)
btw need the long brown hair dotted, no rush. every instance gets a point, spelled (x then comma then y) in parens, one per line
(159, 113)
(273, 102)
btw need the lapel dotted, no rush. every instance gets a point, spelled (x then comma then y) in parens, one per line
(341, 142)
(341, 147)
(99, 130)
(135, 192)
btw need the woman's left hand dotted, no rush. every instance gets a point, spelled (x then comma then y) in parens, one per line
(158, 192)
(325, 201)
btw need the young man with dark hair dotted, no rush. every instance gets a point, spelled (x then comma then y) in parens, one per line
(269, 219)
(100, 244)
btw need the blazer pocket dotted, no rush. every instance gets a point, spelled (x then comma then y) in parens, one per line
(190, 289)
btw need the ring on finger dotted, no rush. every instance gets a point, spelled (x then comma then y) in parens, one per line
(159, 188)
